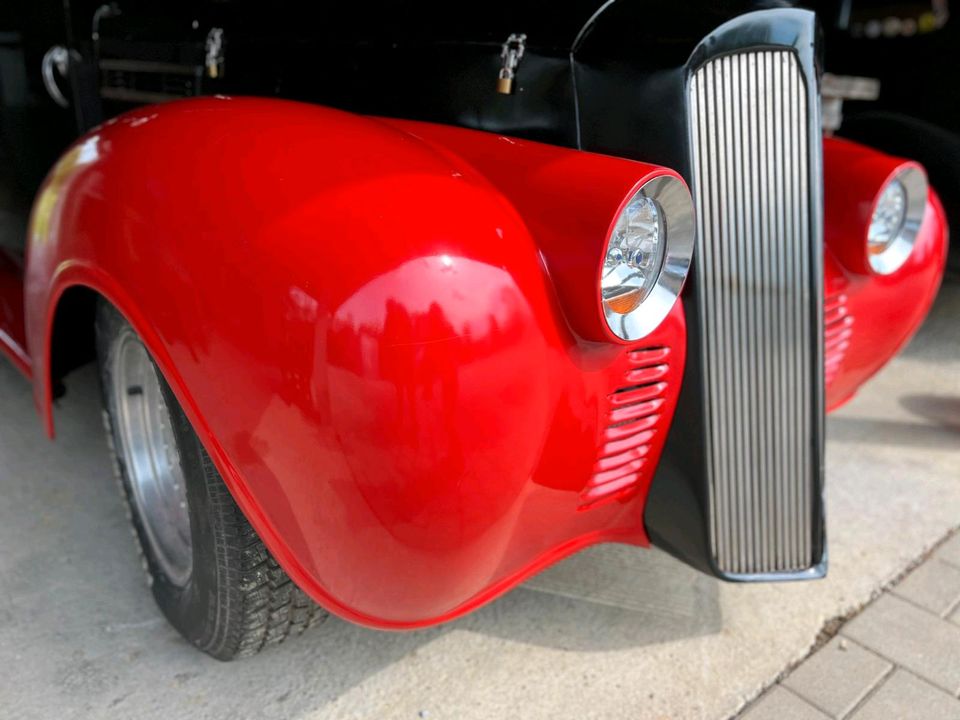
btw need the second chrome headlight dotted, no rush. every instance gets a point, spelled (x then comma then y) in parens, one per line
(647, 257)
(895, 220)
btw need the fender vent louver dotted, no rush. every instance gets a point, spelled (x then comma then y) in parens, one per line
(633, 418)
(837, 332)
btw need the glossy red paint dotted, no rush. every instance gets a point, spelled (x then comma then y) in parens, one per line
(563, 198)
(360, 325)
(870, 317)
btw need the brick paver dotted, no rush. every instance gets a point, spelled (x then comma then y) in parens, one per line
(838, 677)
(934, 586)
(950, 552)
(899, 659)
(914, 638)
(780, 704)
(906, 697)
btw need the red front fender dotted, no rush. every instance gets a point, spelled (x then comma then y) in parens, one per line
(868, 317)
(362, 331)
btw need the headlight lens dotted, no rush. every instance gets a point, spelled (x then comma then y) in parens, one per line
(897, 215)
(647, 257)
(634, 255)
(888, 217)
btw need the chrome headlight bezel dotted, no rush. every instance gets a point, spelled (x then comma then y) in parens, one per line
(888, 256)
(676, 225)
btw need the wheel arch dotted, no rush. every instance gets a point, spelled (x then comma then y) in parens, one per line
(96, 236)
(69, 334)
(70, 341)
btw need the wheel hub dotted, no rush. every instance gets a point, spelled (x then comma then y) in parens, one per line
(152, 459)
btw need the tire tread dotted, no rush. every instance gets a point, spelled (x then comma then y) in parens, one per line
(265, 607)
(255, 603)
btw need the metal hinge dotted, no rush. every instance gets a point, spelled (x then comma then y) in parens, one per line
(834, 89)
(56, 58)
(510, 54)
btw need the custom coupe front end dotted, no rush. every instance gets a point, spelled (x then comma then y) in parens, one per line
(600, 282)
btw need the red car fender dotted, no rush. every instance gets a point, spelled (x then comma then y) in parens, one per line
(869, 317)
(565, 199)
(361, 329)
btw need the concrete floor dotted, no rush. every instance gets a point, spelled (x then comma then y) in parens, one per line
(610, 633)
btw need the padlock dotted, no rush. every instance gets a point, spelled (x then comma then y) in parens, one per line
(510, 54)
(214, 53)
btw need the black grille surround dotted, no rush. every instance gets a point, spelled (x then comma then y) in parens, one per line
(739, 490)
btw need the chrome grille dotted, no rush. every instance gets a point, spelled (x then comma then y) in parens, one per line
(759, 289)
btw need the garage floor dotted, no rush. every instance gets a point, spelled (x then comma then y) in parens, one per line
(610, 633)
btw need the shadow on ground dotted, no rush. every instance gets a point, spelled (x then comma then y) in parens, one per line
(887, 432)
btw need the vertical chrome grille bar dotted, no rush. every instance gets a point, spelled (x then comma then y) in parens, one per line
(757, 284)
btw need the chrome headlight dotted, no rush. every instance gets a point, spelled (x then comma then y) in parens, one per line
(647, 257)
(895, 222)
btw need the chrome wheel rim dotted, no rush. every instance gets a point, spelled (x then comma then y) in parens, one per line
(152, 460)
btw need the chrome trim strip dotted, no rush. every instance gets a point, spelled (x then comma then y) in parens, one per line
(137, 96)
(149, 66)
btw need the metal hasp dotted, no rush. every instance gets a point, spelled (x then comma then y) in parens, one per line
(511, 54)
(213, 53)
(755, 376)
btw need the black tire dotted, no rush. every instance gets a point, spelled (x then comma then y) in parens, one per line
(237, 599)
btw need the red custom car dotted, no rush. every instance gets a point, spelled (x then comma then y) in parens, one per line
(395, 342)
